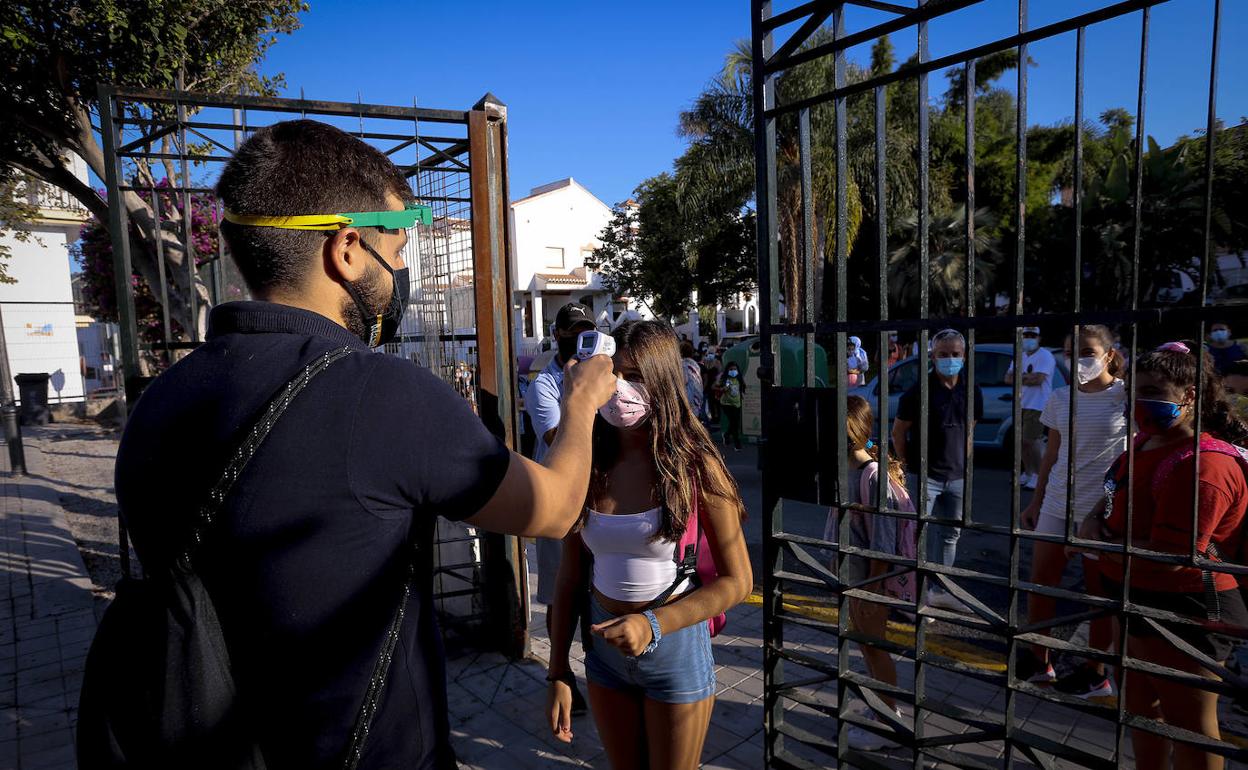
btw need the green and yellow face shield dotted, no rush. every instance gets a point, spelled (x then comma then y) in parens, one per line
(388, 221)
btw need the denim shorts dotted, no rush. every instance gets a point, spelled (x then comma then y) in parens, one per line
(679, 670)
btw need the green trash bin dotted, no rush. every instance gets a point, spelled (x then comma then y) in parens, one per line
(791, 363)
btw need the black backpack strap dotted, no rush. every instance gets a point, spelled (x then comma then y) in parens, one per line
(247, 449)
(372, 695)
(686, 568)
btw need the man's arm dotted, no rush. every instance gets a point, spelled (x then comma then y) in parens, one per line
(545, 500)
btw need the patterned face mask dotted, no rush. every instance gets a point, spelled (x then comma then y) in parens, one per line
(629, 407)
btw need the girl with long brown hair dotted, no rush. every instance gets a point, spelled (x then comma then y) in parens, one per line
(876, 532)
(655, 470)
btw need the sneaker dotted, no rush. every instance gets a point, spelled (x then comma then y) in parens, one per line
(1030, 668)
(1029, 480)
(862, 739)
(945, 601)
(1085, 683)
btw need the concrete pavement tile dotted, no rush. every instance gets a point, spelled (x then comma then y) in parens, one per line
(719, 740)
(752, 685)
(31, 632)
(30, 677)
(41, 657)
(730, 675)
(484, 686)
(8, 753)
(737, 712)
(54, 721)
(61, 738)
(54, 702)
(461, 704)
(472, 739)
(939, 724)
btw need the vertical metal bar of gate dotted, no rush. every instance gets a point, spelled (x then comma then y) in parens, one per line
(119, 227)
(764, 96)
(506, 577)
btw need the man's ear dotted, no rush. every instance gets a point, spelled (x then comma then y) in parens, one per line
(342, 256)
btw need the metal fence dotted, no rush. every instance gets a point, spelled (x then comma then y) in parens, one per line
(957, 711)
(163, 152)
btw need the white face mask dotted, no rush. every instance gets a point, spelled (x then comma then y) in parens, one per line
(1089, 369)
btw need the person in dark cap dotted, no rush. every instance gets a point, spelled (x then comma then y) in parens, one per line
(542, 403)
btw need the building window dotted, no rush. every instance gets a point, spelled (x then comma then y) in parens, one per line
(554, 256)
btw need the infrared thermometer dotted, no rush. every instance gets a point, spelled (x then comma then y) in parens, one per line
(590, 344)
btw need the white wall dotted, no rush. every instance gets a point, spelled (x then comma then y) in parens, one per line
(569, 218)
(38, 310)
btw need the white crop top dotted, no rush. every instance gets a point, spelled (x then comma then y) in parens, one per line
(628, 566)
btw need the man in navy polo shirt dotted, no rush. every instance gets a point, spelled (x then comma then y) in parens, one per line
(308, 558)
(950, 429)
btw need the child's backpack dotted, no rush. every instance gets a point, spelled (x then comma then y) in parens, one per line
(906, 546)
(697, 563)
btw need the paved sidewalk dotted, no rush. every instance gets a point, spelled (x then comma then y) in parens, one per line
(47, 620)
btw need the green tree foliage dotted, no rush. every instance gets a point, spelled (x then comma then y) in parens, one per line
(56, 54)
(718, 164)
(661, 253)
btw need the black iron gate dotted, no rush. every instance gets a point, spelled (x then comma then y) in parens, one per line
(163, 151)
(830, 266)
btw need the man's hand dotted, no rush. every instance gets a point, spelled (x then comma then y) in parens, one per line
(592, 380)
(630, 634)
(559, 707)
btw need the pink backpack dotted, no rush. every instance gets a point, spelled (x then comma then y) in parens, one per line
(697, 564)
(1216, 445)
(906, 546)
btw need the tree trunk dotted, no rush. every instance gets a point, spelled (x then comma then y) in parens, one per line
(182, 283)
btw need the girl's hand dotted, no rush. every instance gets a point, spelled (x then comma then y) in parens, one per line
(559, 708)
(630, 634)
(1031, 514)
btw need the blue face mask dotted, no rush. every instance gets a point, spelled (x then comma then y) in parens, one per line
(1030, 345)
(1220, 335)
(949, 367)
(1154, 417)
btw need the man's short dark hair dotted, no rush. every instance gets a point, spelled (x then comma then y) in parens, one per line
(291, 168)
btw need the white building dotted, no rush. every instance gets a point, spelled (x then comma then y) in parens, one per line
(556, 227)
(39, 323)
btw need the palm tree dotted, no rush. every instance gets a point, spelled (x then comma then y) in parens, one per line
(946, 262)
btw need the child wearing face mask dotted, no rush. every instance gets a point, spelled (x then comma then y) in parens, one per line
(1235, 380)
(731, 392)
(1101, 436)
(1163, 478)
(656, 475)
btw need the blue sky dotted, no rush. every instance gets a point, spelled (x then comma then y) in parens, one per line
(594, 89)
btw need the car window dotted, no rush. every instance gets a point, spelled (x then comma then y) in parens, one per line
(990, 368)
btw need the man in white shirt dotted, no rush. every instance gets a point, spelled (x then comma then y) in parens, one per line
(1038, 368)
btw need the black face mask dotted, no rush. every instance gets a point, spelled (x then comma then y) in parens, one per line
(567, 348)
(381, 325)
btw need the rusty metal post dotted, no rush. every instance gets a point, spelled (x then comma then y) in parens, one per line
(506, 576)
